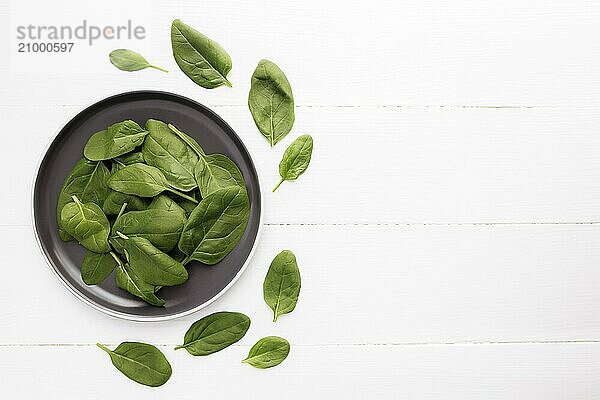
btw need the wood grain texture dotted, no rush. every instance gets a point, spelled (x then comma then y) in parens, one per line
(431, 119)
(468, 372)
(395, 165)
(360, 285)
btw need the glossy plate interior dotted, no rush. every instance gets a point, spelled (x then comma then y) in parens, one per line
(214, 135)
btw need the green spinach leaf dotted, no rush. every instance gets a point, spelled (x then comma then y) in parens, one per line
(203, 60)
(116, 140)
(177, 254)
(164, 150)
(295, 159)
(161, 227)
(214, 333)
(216, 171)
(87, 181)
(271, 101)
(125, 160)
(87, 224)
(187, 206)
(114, 167)
(151, 264)
(128, 60)
(130, 158)
(96, 267)
(129, 280)
(215, 227)
(268, 352)
(142, 180)
(115, 200)
(282, 284)
(213, 171)
(190, 141)
(164, 202)
(140, 362)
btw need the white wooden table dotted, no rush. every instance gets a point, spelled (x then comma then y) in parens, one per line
(447, 229)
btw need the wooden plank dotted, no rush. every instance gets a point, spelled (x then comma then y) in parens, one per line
(392, 165)
(558, 371)
(360, 285)
(335, 52)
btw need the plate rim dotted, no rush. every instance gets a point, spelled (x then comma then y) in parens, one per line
(81, 296)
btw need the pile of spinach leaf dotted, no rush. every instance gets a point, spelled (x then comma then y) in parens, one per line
(174, 204)
(146, 201)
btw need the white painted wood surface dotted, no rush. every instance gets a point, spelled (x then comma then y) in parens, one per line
(473, 372)
(448, 228)
(380, 165)
(368, 285)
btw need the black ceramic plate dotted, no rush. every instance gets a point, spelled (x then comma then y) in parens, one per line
(205, 283)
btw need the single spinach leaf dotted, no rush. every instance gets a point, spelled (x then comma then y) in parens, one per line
(125, 160)
(129, 280)
(214, 333)
(213, 171)
(177, 254)
(188, 207)
(151, 264)
(128, 60)
(203, 60)
(115, 200)
(87, 181)
(268, 352)
(216, 171)
(140, 362)
(164, 150)
(271, 101)
(190, 141)
(161, 227)
(64, 236)
(96, 267)
(130, 158)
(282, 284)
(116, 140)
(142, 180)
(164, 202)
(87, 224)
(295, 159)
(215, 227)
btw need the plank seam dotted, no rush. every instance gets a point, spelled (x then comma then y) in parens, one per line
(402, 106)
(374, 344)
(392, 224)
